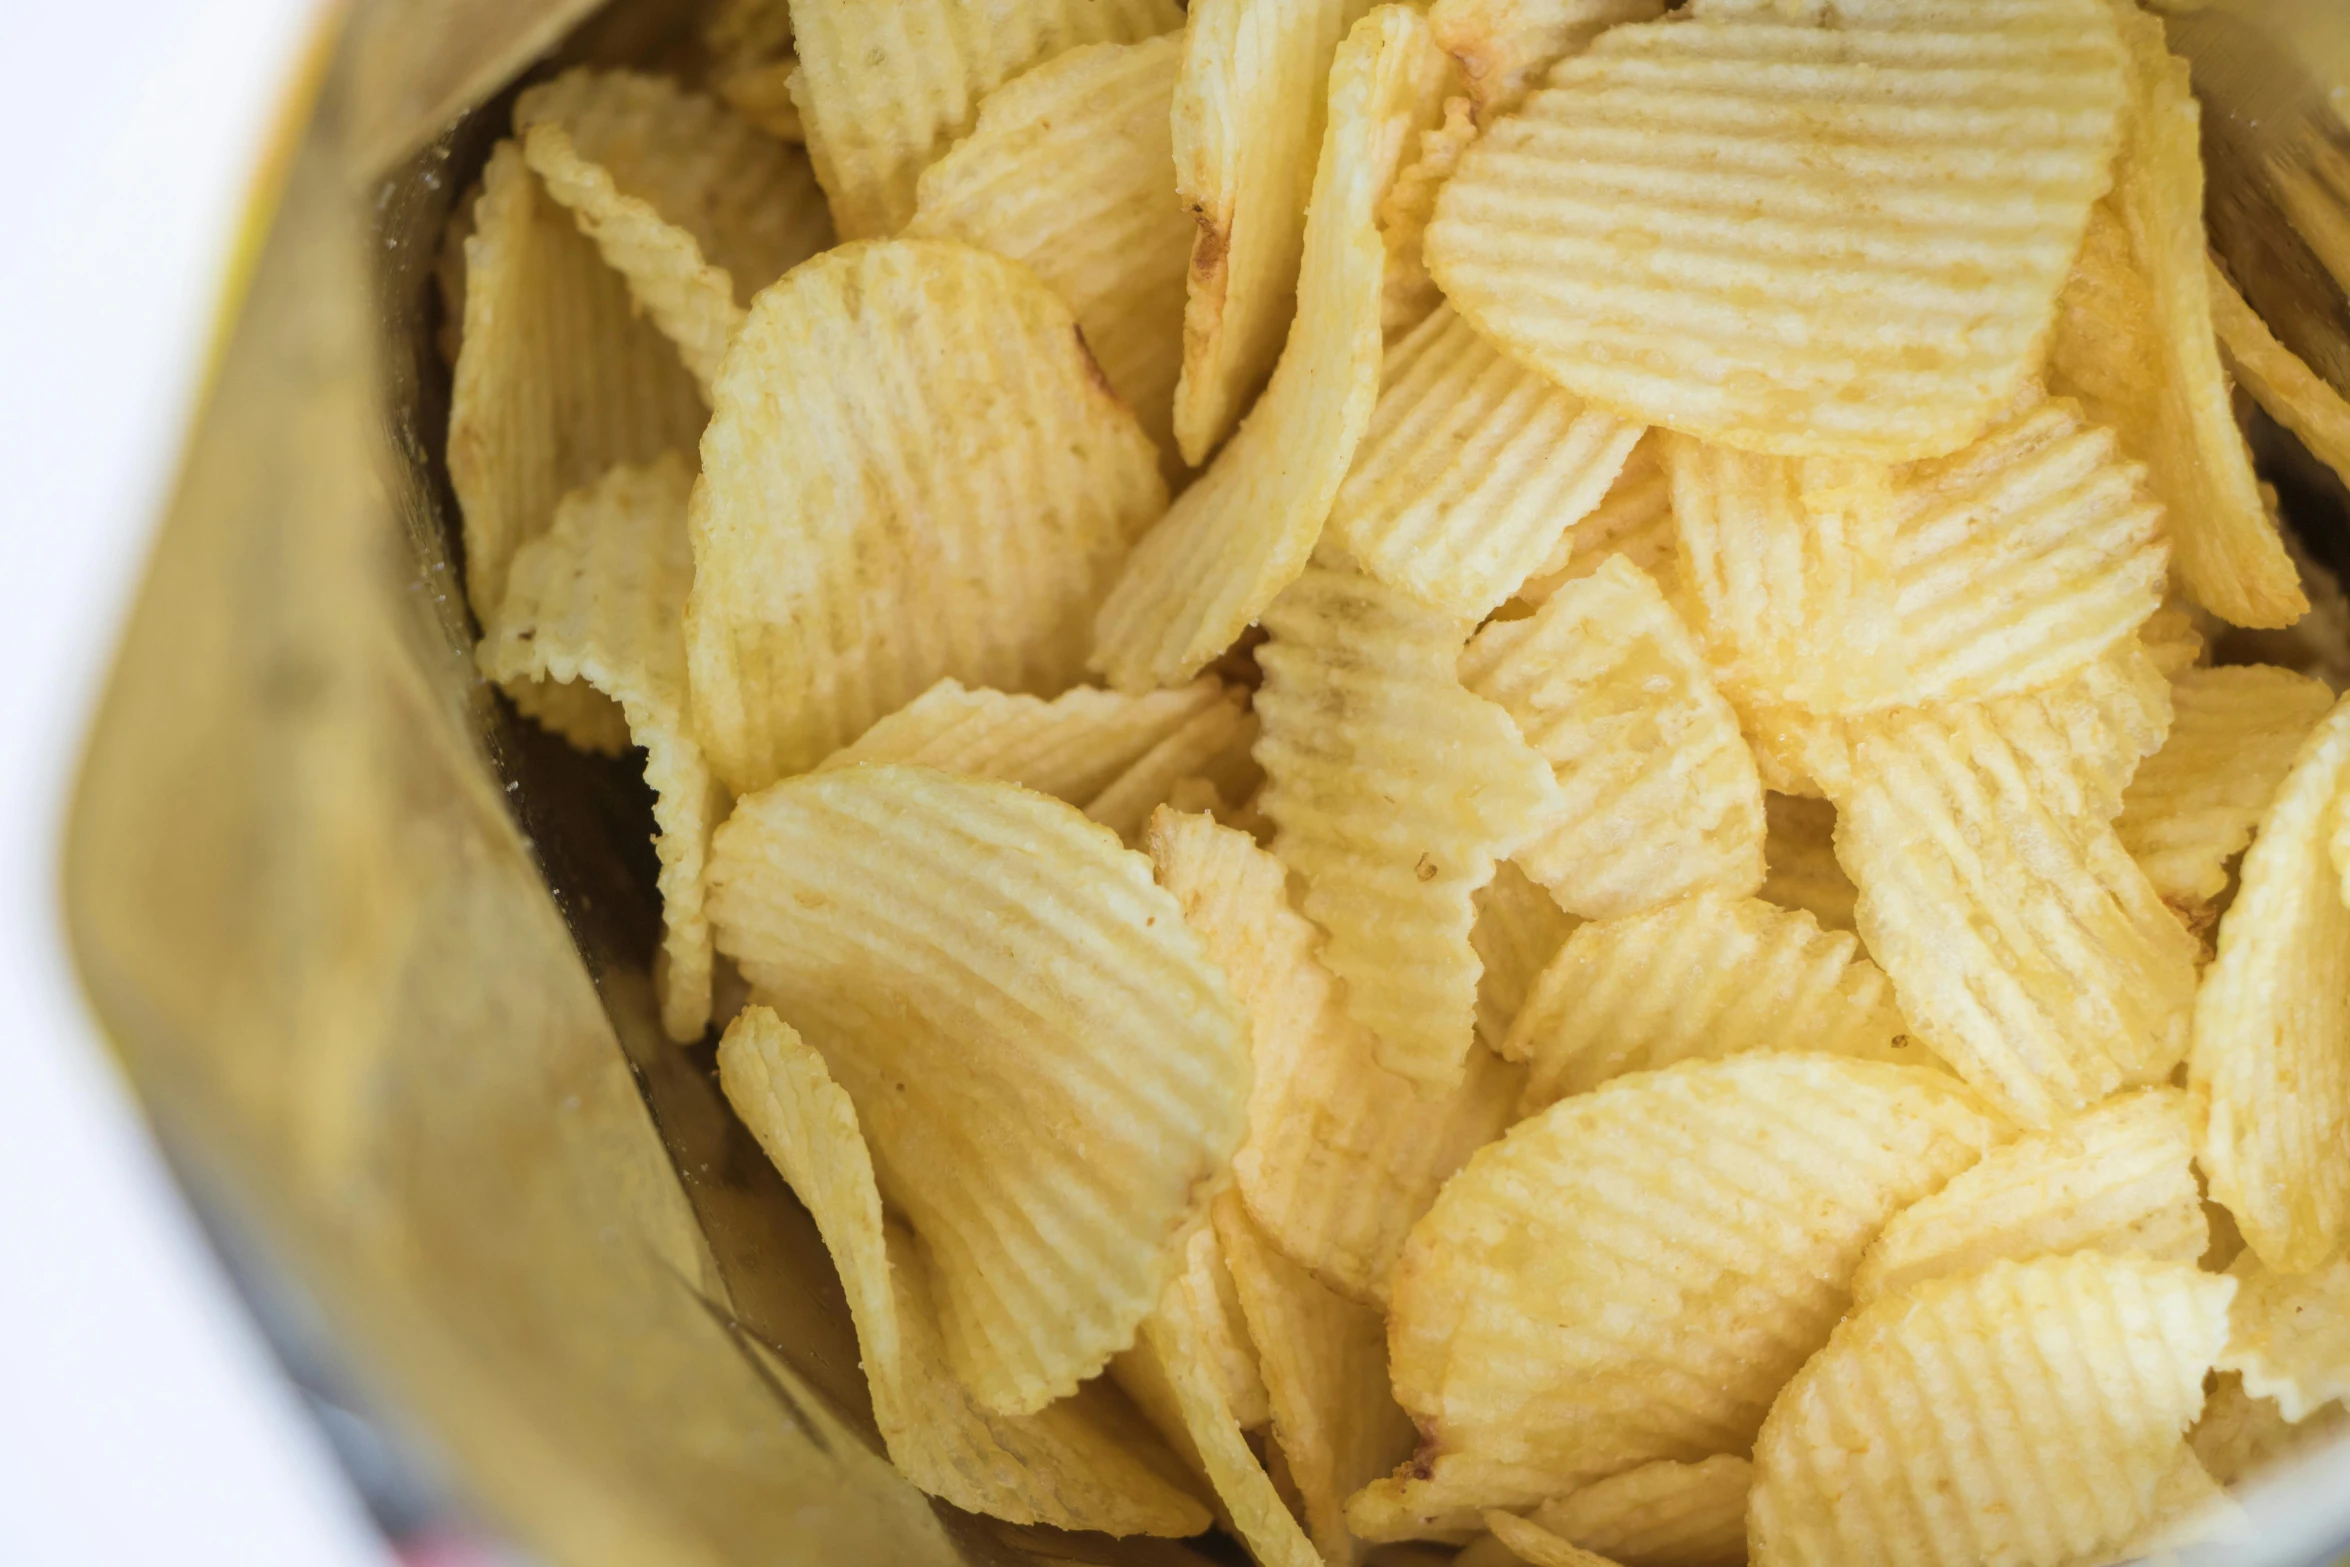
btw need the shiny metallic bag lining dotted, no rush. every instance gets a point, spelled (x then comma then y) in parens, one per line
(375, 951)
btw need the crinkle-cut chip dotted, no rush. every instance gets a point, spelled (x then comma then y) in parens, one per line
(1634, 519)
(1633, 1273)
(1249, 114)
(2271, 1063)
(2026, 947)
(1699, 980)
(1799, 851)
(2174, 638)
(1049, 1068)
(2241, 1434)
(1335, 1422)
(598, 600)
(1227, 1351)
(1341, 1155)
(1245, 528)
(1519, 929)
(1406, 292)
(2318, 644)
(582, 715)
(885, 90)
(2028, 1413)
(1394, 792)
(557, 380)
(2289, 1334)
(749, 43)
(914, 471)
(1817, 231)
(1472, 469)
(1504, 45)
(2294, 395)
(1067, 171)
(689, 202)
(1663, 1514)
(1661, 798)
(2106, 350)
(2190, 1508)
(2118, 1179)
(1215, 748)
(1081, 1463)
(1530, 1542)
(2193, 804)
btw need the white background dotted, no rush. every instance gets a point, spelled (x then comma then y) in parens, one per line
(141, 1420)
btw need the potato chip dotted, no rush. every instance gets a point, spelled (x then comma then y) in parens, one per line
(1245, 528)
(1660, 1515)
(1504, 45)
(1471, 470)
(695, 208)
(1341, 1155)
(1249, 114)
(2107, 351)
(2289, 1334)
(1633, 1273)
(556, 381)
(914, 471)
(2029, 1413)
(1661, 796)
(1228, 1353)
(751, 64)
(597, 600)
(585, 717)
(2118, 1179)
(2193, 804)
(1067, 171)
(1407, 294)
(1519, 929)
(885, 90)
(1809, 230)
(1048, 1067)
(1080, 1463)
(2240, 1434)
(1214, 749)
(1699, 980)
(2271, 1063)
(2294, 395)
(1394, 792)
(2026, 947)
(1799, 852)
(2190, 1508)
(1634, 519)
(1529, 1542)
(1325, 1361)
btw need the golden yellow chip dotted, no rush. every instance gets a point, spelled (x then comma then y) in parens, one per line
(751, 63)
(1080, 1463)
(1246, 527)
(2026, 947)
(2118, 1179)
(2107, 350)
(1049, 1068)
(1342, 1156)
(914, 471)
(1394, 792)
(2272, 1023)
(1698, 980)
(2193, 804)
(1325, 1363)
(1799, 852)
(1634, 519)
(1406, 292)
(1589, 1294)
(2296, 396)
(1228, 1355)
(1519, 929)
(582, 715)
(1660, 795)
(1067, 171)
(2289, 1334)
(1660, 1515)
(1214, 751)
(1530, 1542)
(2190, 1508)
(1503, 46)
(885, 90)
(1815, 231)
(692, 205)
(2240, 1435)
(599, 600)
(1472, 469)
(2027, 1413)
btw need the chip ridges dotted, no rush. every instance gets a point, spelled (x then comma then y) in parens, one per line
(1504, 45)
(1634, 519)
(1662, 1514)
(1519, 929)
(2289, 1334)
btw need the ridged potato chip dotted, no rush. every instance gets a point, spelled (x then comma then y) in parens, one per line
(1227, 1354)
(599, 600)
(1080, 1463)
(1406, 292)
(1519, 929)
(1699, 980)
(2193, 804)
(1660, 794)
(1504, 45)
(1214, 750)
(1325, 1363)
(1530, 1542)
(1473, 468)
(751, 63)
(2271, 1063)
(1394, 792)
(2294, 395)
(914, 471)
(1633, 1273)
(2026, 947)
(1066, 170)
(1245, 528)
(2289, 1334)
(1050, 1070)
(586, 718)
(695, 208)
(1815, 231)
(1634, 519)
(2118, 1179)
(885, 90)
(1799, 856)
(1660, 1515)
(2240, 1434)
(2029, 1413)
(1342, 1156)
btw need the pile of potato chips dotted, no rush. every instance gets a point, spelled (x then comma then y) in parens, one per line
(1464, 756)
